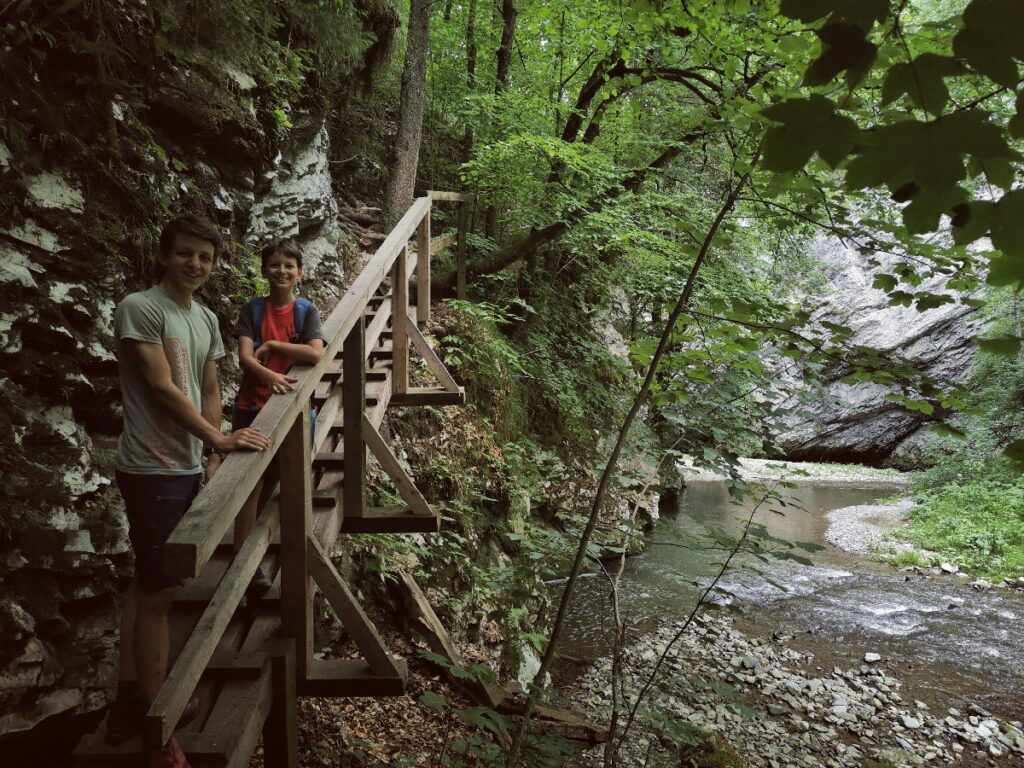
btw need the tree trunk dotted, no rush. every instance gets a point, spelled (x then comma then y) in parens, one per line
(504, 56)
(402, 180)
(467, 137)
(508, 28)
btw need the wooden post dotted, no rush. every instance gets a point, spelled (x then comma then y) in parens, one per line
(353, 403)
(399, 325)
(296, 505)
(280, 735)
(423, 270)
(460, 252)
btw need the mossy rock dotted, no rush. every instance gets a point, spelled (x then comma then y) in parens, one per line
(712, 751)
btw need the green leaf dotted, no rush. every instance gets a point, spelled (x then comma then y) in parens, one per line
(1016, 123)
(946, 430)
(863, 13)
(1004, 270)
(846, 49)
(433, 700)
(971, 221)
(1005, 346)
(808, 125)
(884, 282)
(922, 80)
(932, 300)
(1008, 224)
(991, 39)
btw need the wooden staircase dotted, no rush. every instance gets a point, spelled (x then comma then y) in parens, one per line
(249, 659)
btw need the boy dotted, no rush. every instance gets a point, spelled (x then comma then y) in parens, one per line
(167, 346)
(273, 332)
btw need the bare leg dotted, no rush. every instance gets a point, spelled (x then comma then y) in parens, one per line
(151, 639)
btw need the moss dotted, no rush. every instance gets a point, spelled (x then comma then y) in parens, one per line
(711, 751)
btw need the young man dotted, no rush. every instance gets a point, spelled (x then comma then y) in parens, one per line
(273, 332)
(168, 347)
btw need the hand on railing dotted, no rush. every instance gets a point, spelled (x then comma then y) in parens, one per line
(245, 439)
(278, 383)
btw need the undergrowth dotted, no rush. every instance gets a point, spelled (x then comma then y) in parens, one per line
(978, 525)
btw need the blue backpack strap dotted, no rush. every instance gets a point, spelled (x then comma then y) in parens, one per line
(258, 307)
(301, 310)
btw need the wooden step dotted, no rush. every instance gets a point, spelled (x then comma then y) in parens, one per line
(429, 396)
(329, 460)
(350, 677)
(392, 520)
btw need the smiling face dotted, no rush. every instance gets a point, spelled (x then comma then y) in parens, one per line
(186, 265)
(282, 272)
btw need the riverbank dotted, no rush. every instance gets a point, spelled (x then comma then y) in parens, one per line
(873, 530)
(787, 711)
(804, 472)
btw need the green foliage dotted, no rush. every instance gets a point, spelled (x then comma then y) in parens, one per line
(480, 749)
(979, 525)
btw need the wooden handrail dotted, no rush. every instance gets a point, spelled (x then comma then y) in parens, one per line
(194, 540)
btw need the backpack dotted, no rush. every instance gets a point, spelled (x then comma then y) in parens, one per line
(258, 307)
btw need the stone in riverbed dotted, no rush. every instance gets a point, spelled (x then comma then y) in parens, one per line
(911, 722)
(871, 658)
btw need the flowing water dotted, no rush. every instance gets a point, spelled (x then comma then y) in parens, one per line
(951, 644)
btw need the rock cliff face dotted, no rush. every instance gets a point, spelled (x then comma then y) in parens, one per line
(64, 556)
(854, 422)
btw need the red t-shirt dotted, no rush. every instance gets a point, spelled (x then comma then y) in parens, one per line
(278, 325)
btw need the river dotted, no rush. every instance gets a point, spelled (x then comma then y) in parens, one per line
(951, 644)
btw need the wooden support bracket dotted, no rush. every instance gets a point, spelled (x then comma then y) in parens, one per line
(430, 356)
(406, 487)
(349, 611)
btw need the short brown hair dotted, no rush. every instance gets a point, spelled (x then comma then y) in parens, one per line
(196, 226)
(288, 248)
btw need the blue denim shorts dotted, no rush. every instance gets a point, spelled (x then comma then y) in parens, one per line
(154, 505)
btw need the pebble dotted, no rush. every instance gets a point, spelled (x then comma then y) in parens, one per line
(823, 719)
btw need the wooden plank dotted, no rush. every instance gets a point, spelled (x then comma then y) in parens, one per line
(391, 520)
(93, 750)
(376, 413)
(425, 621)
(429, 396)
(438, 244)
(243, 725)
(354, 388)
(355, 621)
(280, 732)
(400, 337)
(350, 677)
(235, 664)
(435, 194)
(296, 521)
(214, 509)
(423, 252)
(430, 356)
(330, 459)
(377, 325)
(389, 462)
(166, 709)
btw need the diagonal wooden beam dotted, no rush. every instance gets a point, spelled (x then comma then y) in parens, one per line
(166, 709)
(427, 353)
(349, 611)
(382, 451)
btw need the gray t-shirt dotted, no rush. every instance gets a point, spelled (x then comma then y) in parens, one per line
(152, 442)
